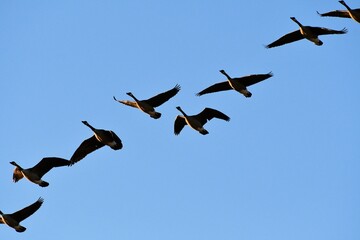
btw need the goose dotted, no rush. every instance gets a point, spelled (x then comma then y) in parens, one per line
(305, 32)
(238, 84)
(13, 220)
(100, 138)
(349, 13)
(198, 121)
(35, 173)
(148, 105)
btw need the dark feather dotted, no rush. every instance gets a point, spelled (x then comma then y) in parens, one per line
(288, 38)
(179, 124)
(89, 145)
(325, 31)
(46, 164)
(163, 97)
(336, 13)
(208, 113)
(27, 211)
(252, 79)
(222, 86)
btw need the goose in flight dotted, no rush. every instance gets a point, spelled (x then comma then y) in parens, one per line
(198, 121)
(305, 32)
(148, 106)
(349, 13)
(100, 138)
(238, 84)
(35, 173)
(13, 220)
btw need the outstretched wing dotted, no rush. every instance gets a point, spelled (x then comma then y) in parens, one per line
(325, 31)
(46, 164)
(17, 175)
(288, 38)
(127, 102)
(179, 124)
(255, 78)
(89, 145)
(27, 211)
(217, 87)
(336, 13)
(209, 113)
(163, 97)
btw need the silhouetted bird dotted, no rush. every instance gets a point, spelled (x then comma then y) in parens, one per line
(238, 84)
(35, 173)
(148, 105)
(100, 138)
(305, 32)
(349, 13)
(13, 220)
(198, 121)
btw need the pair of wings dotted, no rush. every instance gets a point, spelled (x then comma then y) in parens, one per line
(156, 100)
(26, 212)
(45, 165)
(91, 144)
(206, 115)
(246, 81)
(296, 35)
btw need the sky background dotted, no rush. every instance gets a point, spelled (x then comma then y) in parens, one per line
(285, 167)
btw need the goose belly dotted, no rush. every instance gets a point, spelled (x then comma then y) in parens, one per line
(9, 221)
(31, 176)
(355, 16)
(237, 86)
(194, 123)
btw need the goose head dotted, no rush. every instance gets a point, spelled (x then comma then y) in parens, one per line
(222, 71)
(14, 163)
(178, 108)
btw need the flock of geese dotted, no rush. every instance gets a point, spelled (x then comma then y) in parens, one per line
(103, 137)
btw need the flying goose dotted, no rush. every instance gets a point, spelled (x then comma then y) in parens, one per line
(198, 121)
(305, 32)
(100, 138)
(13, 220)
(35, 173)
(238, 84)
(148, 105)
(350, 13)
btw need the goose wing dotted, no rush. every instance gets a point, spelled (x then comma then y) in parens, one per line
(17, 175)
(179, 124)
(127, 102)
(163, 97)
(336, 13)
(209, 113)
(27, 211)
(325, 31)
(288, 38)
(46, 164)
(89, 145)
(217, 87)
(255, 78)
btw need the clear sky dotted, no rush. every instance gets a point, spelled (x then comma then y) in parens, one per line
(286, 166)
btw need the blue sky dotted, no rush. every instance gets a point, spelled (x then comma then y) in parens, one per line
(286, 166)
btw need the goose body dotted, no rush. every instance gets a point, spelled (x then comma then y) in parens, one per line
(148, 106)
(13, 220)
(305, 32)
(348, 13)
(100, 138)
(198, 121)
(238, 84)
(36, 173)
